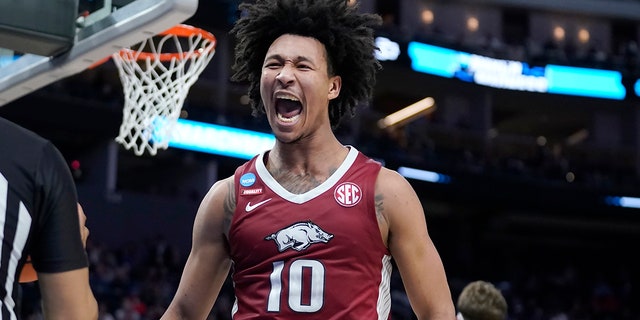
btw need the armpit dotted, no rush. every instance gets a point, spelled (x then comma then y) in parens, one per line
(229, 205)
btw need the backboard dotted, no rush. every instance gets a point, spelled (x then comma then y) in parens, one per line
(92, 42)
(39, 27)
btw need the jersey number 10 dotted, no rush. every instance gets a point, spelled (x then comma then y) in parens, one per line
(295, 300)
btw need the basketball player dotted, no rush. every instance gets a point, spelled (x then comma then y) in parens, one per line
(481, 300)
(310, 226)
(39, 218)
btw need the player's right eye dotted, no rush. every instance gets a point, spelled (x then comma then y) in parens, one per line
(272, 65)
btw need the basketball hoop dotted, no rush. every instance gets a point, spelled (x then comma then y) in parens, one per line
(156, 83)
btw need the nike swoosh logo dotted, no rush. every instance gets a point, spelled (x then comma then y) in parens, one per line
(250, 207)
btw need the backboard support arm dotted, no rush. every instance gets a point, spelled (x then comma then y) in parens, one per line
(123, 28)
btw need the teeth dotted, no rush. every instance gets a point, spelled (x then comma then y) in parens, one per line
(286, 97)
(284, 119)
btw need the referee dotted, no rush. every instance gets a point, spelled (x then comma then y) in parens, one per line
(39, 219)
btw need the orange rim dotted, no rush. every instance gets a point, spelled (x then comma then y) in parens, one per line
(181, 30)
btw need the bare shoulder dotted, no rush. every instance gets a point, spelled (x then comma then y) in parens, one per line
(395, 198)
(218, 205)
(391, 183)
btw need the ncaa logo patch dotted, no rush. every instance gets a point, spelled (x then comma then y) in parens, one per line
(247, 179)
(347, 194)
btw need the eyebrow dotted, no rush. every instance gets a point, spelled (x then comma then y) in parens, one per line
(296, 59)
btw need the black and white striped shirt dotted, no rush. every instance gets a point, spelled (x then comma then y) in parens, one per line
(38, 212)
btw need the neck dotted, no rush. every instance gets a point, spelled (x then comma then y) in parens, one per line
(300, 169)
(307, 157)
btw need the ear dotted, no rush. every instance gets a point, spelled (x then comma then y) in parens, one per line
(334, 87)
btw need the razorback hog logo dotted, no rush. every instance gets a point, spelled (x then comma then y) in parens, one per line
(299, 236)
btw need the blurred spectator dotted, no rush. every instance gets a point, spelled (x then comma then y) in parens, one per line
(481, 300)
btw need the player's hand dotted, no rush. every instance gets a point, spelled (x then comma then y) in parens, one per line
(84, 230)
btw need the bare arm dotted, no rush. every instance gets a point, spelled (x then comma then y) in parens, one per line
(84, 231)
(418, 260)
(208, 264)
(67, 295)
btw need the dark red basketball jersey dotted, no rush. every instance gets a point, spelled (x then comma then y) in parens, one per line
(316, 255)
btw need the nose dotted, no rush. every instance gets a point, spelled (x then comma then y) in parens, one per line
(285, 76)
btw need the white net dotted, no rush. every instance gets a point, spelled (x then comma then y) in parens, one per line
(156, 84)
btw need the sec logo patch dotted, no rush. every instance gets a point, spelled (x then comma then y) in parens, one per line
(347, 194)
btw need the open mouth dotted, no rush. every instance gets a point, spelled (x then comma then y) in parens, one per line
(288, 108)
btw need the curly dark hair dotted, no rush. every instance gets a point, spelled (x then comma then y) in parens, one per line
(346, 34)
